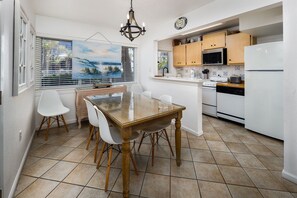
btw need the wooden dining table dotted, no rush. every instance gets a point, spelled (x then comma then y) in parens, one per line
(130, 112)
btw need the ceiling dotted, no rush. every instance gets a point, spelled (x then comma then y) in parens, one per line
(111, 13)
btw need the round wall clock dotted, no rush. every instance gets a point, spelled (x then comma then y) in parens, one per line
(180, 23)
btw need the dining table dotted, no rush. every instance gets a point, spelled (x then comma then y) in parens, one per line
(129, 112)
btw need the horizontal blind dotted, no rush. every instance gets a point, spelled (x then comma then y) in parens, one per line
(53, 62)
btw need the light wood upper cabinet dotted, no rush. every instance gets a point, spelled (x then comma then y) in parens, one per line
(193, 51)
(179, 55)
(235, 44)
(214, 40)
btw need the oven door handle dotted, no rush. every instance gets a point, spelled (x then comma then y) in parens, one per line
(209, 88)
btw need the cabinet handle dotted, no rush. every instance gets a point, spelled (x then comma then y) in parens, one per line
(214, 44)
(211, 45)
(229, 59)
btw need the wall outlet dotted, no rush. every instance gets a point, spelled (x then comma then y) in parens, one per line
(20, 135)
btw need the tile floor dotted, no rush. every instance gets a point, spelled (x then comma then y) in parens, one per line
(227, 161)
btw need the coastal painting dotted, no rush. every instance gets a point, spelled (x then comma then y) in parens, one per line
(96, 60)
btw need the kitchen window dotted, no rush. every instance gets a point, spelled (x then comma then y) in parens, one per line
(54, 65)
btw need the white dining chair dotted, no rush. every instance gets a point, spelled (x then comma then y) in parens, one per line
(158, 130)
(51, 108)
(111, 136)
(147, 94)
(93, 120)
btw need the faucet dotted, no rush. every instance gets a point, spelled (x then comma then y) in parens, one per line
(164, 69)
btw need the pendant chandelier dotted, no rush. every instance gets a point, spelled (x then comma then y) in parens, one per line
(132, 30)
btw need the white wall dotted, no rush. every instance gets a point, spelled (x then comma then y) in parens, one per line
(18, 112)
(1, 109)
(290, 93)
(197, 18)
(65, 29)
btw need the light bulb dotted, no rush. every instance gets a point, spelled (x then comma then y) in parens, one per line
(128, 16)
(122, 25)
(143, 24)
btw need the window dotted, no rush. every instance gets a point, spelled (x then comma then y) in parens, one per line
(32, 55)
(54, 64)
(22, 77)
(162, 61)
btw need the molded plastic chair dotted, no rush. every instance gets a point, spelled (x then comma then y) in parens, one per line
(111, 136)
(147, 94)
(50, 107)
(93, 120)
(136, 88)
(158, 129)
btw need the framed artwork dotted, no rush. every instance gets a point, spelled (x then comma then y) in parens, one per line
(92, 60)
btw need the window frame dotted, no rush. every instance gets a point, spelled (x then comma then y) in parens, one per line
(23, 52)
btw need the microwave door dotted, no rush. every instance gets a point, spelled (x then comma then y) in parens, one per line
(212, 58)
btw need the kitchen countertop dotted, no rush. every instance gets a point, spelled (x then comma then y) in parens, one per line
(241, 85)
(190, 80)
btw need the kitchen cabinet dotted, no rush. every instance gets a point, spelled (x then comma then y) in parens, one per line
(214, 40)
(179, 55)
(187, 55)
(235, 44)
(193, 54)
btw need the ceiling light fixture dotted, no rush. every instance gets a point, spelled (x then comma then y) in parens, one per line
(210, 26)
(132, 30)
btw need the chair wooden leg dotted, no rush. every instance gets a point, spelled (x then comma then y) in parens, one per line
(141, 141)
(96, 147)
(64, 123)
(42, 122)
(89, 138)
(48, 126)
(101, 154)
(134, 163)
(108, 168)
(57, 117)
(153, 148)
(165, 132)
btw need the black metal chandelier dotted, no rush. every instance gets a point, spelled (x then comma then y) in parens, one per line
(132, 30)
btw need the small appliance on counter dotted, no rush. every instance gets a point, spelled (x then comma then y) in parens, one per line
(235, 79)
(205, 73)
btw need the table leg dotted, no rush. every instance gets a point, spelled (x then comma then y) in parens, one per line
(126, 133)
(178, 138)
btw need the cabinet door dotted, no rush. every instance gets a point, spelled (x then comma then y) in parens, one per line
(235, 47)
(179, 55)
(214, 40)
(193, 51)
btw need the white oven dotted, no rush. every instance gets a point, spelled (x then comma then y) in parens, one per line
(209, 101)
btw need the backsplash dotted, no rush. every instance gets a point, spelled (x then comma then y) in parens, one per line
(224, 71)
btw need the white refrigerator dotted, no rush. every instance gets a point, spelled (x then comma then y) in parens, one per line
(264, 89)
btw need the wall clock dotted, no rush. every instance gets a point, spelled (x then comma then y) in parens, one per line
(180, 23)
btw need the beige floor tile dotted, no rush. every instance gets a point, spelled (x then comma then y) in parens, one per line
(59, 153)
(156, 186)
(249, 139)
(184, 142)
(74, 142)
(272, 163)
(237, 147)
(267, 140)
(162, 151)
(235, 175)
(30, 161)
(277, 149)
(89, 159)
(275, 194)
(208, 172)
(135, 183)
(77, 155)
(39, 189)
(192, 136)
(181, 187)
(35, 145)
(98, 179)
(264, 179)
(184, 155)
(81, 174)
(145, 149)
(217, 146)
(292, 187)
(91, 146)
(257, 149)
(58, 140)
(43, 150)
(249, 161)
(119, 195)
(161, 166)
(244, 192)
(230, 137)
(59, 171)
(65, 191)
(141, 162)
(39, 168)
(198, 144)
(186, 170)
(225, 158)
(212, 136)
(93, 193)
(23, 183)
(202, 156)
(294, 195)
(213, 190)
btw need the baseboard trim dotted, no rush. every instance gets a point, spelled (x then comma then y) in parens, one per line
(289, 176)
(16, 179)
(192, 131)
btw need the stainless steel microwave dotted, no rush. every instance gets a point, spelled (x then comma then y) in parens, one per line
(215, 56)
